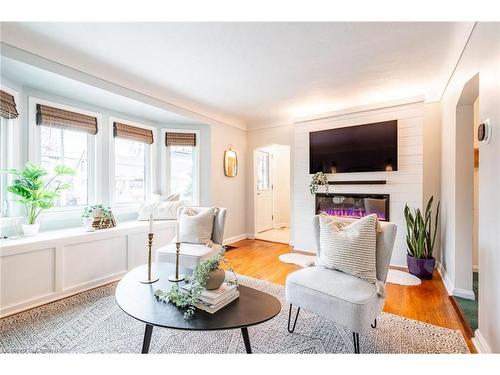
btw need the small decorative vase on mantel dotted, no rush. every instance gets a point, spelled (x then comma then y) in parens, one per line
(215, 279)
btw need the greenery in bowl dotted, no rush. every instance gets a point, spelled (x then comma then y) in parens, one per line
(185, 300)
(36, 192)
(318, 179)
(420, 237)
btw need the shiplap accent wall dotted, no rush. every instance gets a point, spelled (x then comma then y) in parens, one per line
(404, 185)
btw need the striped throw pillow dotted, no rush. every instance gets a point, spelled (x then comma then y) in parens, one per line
(350, 248)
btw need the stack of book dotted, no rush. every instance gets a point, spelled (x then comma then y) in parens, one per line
(212, 301)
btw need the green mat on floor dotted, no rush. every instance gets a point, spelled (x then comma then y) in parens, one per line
(469, 307)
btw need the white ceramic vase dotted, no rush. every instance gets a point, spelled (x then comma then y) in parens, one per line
(31, 229)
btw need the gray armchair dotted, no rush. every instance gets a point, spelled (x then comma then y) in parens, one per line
(191, 254)
(347, 300)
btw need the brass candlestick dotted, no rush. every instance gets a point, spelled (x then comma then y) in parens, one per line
(176, 278)
(151, 278)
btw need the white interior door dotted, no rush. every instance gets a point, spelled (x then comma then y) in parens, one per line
(263, 191)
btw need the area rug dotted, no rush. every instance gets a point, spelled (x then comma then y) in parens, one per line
(91, 322)
(402, 278)
(301, 260)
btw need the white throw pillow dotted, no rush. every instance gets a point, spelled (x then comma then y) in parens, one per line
(196, 227)
(350, 248)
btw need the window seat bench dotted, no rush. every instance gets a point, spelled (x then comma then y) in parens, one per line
(56, 264)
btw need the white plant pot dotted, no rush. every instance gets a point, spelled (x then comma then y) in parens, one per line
(31, 229)
(87, 224)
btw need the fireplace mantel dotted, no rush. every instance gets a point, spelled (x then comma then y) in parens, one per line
(362, 182)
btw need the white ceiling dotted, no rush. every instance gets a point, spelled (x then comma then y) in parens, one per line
(256, 74)
(43, 80)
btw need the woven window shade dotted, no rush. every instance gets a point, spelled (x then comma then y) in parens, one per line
(67, 120)
(180, 139)
(133, 133)
(8, 108)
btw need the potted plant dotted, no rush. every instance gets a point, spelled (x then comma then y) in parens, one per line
(206, 275)
(318, 179)
(100, 212)
(420, 239)
(36, 192)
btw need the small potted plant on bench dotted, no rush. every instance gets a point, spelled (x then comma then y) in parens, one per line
(420, 240)
(97, 216)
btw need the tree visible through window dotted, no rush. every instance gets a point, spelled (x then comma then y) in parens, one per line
(69, 148)
(130, 171)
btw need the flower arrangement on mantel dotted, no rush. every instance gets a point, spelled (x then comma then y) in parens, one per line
(318, 179)
(185, 300)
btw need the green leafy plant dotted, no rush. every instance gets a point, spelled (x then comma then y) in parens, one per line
(91, 211)
(420, 237)
(186, 300)
(318, 179)
(38, 192)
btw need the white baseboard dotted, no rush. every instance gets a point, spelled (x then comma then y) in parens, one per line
(480, 343)
(464, 293)
(446, 280)
(236, 238)
(450, 286)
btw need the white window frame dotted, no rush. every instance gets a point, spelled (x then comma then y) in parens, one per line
(165, 164)
(92, 141)
(11, 156)
(150, 153)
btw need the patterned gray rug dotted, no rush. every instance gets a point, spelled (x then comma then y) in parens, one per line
(91, 322)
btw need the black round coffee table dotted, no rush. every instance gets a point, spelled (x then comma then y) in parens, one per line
(137, 300)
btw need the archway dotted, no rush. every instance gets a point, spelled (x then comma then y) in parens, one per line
(464, 193)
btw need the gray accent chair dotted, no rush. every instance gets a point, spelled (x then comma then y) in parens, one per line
(192, 254)
(347, 300)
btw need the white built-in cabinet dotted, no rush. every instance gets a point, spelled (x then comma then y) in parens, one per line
(52, 265)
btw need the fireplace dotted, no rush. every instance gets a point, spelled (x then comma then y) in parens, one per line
(353, 205)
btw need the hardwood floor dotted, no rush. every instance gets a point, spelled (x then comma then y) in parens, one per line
(428, 302)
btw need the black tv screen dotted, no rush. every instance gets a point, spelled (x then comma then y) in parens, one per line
(362, 148)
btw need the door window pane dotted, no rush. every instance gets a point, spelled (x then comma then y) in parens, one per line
(66, 147)
(263, 171)
(130, 171)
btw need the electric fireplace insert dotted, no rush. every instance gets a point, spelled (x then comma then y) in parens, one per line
(353, 205)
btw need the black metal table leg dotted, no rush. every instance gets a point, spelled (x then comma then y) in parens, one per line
(246, 339)
(147, 339)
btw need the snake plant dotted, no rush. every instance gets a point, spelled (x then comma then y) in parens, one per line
(421, 234)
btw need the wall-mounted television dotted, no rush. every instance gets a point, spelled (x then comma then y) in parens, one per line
(362, 148)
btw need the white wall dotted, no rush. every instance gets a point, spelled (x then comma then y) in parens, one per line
(282, 135)
(229, 192)
(475, 232)
(482, 55)
(281, 185)
(404, 185)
